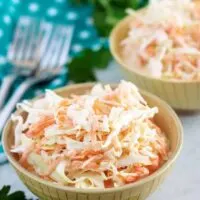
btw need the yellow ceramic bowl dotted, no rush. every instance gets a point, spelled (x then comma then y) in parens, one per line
(181, 95)
(45, 190)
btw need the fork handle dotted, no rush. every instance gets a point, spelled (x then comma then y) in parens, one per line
(10, 106)
(5, 88)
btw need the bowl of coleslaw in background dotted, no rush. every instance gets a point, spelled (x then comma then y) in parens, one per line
(166, 119)
(162, 61)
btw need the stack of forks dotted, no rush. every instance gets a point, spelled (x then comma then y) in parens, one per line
(38, 53)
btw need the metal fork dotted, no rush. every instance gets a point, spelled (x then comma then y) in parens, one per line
(21, 53)
(53, 51)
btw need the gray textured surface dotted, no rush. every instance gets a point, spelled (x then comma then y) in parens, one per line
(184, 181)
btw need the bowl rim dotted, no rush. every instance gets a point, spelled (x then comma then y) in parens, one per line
(138, 183)
(113, 43)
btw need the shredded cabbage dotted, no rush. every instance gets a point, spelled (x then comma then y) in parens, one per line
(163, 37)
(105, 138)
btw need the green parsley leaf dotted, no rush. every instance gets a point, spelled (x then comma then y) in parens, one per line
(81, 68)
(4, 194)
(101, 58)
(108, 12)
(17, 195)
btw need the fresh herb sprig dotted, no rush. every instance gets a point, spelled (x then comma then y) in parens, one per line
(82, 68)
(6, 195)
(108, 12)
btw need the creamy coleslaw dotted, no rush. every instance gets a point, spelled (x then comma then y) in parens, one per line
(104, 138)
(163, 40)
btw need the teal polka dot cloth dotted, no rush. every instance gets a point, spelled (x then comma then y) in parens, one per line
(56, 11)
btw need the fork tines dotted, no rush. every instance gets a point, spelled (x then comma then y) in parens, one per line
(24, 45)
(54, 44)
(40, 43)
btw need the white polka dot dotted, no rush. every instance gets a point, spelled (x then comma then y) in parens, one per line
(2, 60)
(7, 19)
(52, 12)
(71, 15)
(89, 21)
(84, 34)
(77, 48)
(15, 1)
(1, 33)
(96, 47)
(59, 1)
(33, 7)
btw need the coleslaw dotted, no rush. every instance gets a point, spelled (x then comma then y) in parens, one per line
(163, 40)
(104, 138)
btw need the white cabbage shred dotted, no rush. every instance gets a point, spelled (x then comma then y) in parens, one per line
(91, 140)
(162, 38)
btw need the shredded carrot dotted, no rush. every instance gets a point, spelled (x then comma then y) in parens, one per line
(108, 183)
(104, 139)
(166, 46)
(130, 179)
(38, 128)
